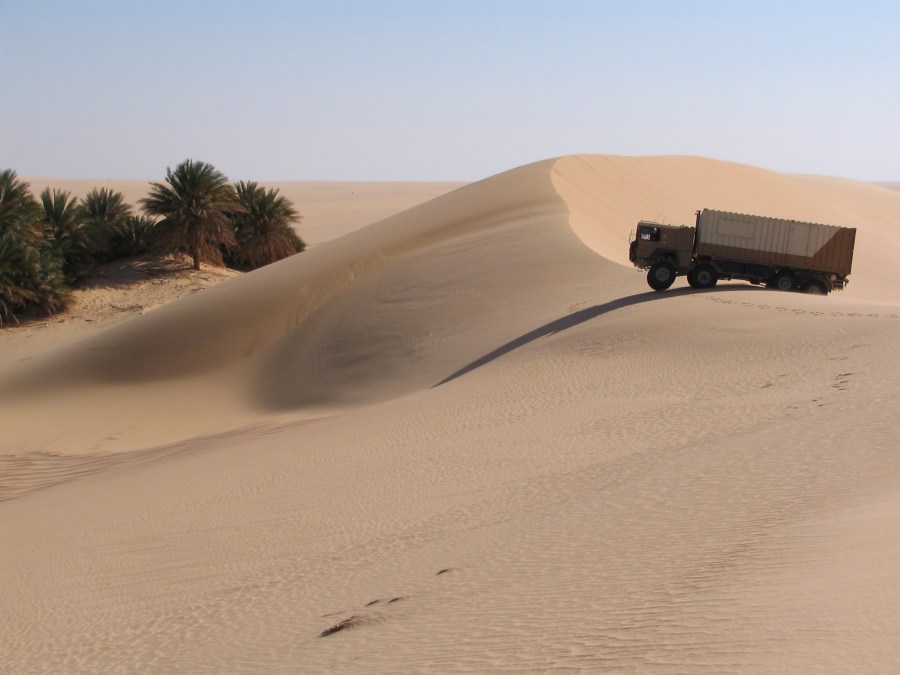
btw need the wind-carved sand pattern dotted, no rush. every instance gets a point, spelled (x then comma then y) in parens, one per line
(27, 472)
(522, 458)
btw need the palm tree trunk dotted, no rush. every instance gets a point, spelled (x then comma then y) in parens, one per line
(195, 247)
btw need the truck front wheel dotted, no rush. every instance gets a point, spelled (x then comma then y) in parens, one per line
(814, 287)
(661, 276)
(703, 276)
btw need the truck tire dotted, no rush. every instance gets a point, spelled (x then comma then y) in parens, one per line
(661, 275)
(783, 281)
(703, 276)
(814, 287)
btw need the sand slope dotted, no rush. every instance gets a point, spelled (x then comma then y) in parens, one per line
(478, 442)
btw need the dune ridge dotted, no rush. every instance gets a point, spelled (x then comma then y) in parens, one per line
(469, 438)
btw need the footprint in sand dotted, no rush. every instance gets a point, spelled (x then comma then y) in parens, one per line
(357, 620)
(348, 623)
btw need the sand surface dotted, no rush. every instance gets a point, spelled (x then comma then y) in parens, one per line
(469, 438)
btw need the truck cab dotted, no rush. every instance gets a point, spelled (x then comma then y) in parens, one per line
(667, 250)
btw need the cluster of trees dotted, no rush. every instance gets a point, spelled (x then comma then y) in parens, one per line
(48, 244)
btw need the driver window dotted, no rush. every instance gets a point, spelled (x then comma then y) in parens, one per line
(650, 233)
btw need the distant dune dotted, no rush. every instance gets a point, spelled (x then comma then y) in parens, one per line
(468, 437)
(329, 209)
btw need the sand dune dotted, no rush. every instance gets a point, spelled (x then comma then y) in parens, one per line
(469, 438)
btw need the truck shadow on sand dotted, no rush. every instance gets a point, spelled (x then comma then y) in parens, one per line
(579, 317)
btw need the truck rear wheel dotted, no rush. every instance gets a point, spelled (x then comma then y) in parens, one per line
(783, 281)
(814, 287)
(661, 276)
(703, 276)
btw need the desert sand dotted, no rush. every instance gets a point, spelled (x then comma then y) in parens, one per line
(468, 438)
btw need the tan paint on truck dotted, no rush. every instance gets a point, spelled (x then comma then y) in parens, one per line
(775, 241)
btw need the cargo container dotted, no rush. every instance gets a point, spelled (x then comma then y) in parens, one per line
(783, 254)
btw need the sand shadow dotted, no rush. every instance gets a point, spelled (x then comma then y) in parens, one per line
(131, 271)
(579, 317)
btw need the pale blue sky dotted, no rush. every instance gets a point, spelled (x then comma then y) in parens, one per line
(445, 89)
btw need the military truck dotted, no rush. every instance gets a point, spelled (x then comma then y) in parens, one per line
(782, 254)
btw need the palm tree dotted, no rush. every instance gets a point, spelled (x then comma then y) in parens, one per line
(30, 276)
(66, 237)
(17, 289)
(264, 230)
(192, 205)
(103, 211)
(53, 292)
(19, 234)
(19, 212)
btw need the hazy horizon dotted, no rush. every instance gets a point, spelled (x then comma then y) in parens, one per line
(444, 91)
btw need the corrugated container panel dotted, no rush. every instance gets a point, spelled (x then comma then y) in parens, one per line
(776, 241)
